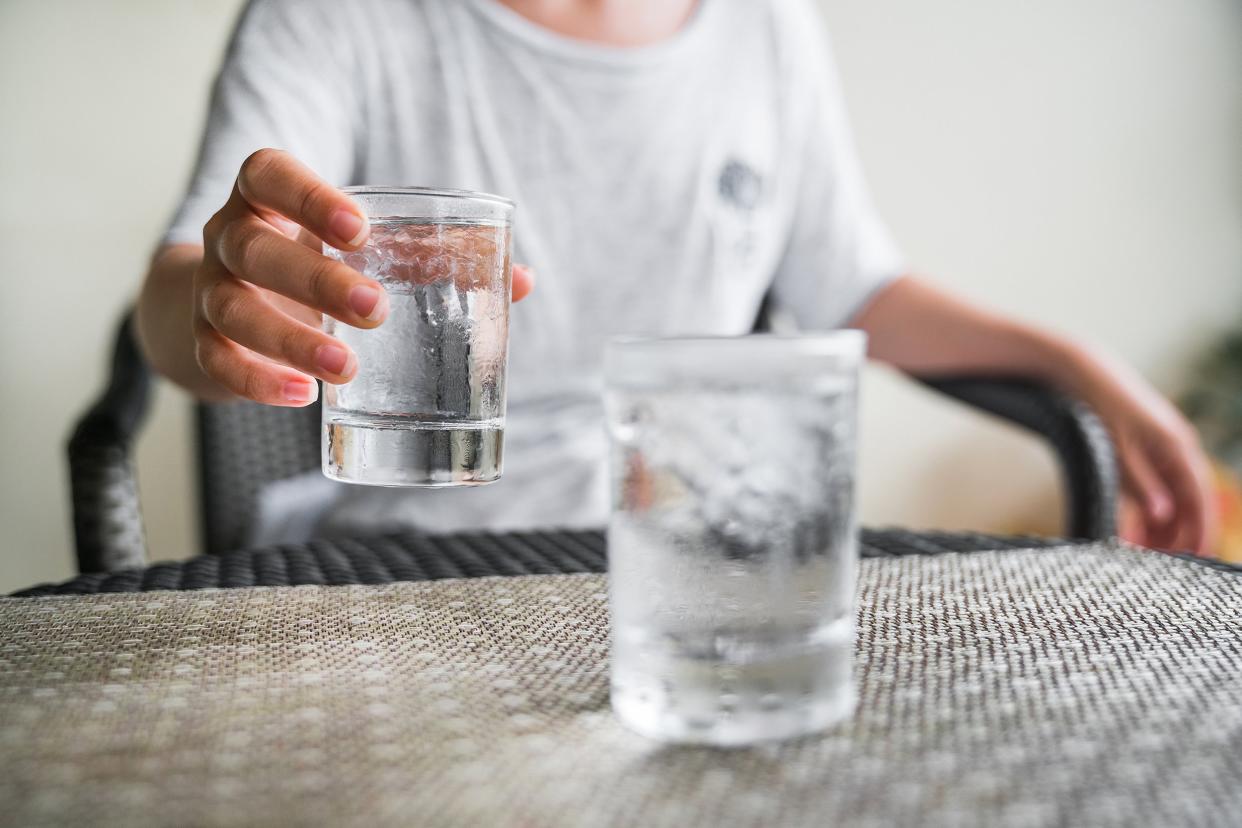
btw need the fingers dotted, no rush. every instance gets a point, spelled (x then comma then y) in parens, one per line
(523, 282)
(261, 288)
(1167, 473)
(248, 375)
(1144, 483)
(249, 249)
(1131, 522)
(1186, 473)
(239, 312)
(273, 181)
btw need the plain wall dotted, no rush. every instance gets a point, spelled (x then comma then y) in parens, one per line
(1075, 163)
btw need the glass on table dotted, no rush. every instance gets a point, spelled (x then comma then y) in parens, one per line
(732, 542)
(427, 406)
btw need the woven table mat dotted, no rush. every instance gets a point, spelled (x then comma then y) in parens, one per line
(1090, 685)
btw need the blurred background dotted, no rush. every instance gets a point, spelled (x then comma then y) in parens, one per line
(1076, 163)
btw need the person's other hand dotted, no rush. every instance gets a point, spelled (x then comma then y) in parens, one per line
(1167, 499)
(263, 284)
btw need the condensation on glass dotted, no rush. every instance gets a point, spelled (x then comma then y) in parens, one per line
(732, 542)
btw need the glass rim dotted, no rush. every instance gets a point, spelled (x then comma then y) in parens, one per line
(655, 361)
(845, 342)
(434, 192)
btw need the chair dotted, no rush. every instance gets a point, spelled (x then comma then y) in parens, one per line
(243, 446)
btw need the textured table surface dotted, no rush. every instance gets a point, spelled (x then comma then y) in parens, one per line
(1085, 685)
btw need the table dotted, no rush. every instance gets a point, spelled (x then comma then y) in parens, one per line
(1090, 684)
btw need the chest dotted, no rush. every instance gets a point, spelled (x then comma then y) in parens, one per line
(663, 181)
(676, 135)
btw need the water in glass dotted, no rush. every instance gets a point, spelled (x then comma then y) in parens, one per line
(427, 405)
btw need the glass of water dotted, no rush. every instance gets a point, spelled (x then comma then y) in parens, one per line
(732, 544)
(427, 406)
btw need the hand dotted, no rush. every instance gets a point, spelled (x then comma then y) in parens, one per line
(264, 282)
(1167, 499)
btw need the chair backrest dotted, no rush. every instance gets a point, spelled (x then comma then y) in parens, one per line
(242, 447)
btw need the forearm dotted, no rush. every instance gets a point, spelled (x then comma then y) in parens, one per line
(926, 331)
(163, 321)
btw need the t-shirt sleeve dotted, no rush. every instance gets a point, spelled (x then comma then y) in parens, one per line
(839, 253)
(284, 83)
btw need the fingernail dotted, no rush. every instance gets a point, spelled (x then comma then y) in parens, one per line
(332, 358)
(368, 302)
(300, 391)
(349, 227)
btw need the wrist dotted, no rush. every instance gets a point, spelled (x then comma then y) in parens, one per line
(1077, 370)
(1101, 381)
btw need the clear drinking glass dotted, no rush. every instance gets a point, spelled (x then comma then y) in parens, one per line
(731, 547)
(427, 406)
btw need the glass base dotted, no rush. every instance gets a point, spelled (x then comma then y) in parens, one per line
(446, 454)
(719, 687)
(738, 728)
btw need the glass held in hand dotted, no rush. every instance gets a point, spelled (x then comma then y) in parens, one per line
(427, 406)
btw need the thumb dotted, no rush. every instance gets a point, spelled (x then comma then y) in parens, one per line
(523, 282)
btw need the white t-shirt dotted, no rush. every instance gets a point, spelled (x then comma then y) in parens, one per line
(661, 190)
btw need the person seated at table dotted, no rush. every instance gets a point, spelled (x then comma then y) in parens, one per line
(674, 161)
